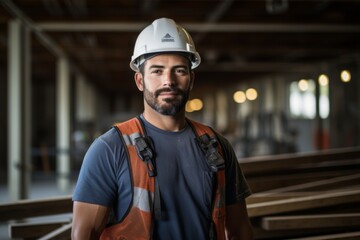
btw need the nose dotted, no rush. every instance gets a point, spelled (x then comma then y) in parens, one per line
(169, 78)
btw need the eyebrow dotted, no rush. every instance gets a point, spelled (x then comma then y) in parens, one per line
(161, 66)
(156, 66)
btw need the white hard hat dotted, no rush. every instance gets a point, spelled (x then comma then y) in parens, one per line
(163, 35)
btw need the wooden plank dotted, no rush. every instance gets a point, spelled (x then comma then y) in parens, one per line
(310, 221)
(62, 233)
(328, 165)
(343, 181)
(33, 230)
(265, 197)
(339, 236)
(33, 208)
(262, 164)
(302, 203)
(260, 233)
(280, 180)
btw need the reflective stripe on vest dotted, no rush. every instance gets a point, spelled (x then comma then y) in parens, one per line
(130, 139)
(137, 224)
(141, 199)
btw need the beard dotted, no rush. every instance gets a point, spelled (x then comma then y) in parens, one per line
(167, 106)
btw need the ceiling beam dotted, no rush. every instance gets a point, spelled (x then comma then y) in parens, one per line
(46, 41)
(198, 27)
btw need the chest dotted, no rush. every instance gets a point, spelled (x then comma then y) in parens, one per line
(182, 168)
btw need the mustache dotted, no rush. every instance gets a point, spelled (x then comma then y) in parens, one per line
(168, 89)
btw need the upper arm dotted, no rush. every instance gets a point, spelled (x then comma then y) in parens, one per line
(89, 220)
(237, 223)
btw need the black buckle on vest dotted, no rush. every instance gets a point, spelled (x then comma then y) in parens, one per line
(144, 149)
(209, 146)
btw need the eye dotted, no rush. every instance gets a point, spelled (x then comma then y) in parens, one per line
(181, 71)
(156, 71)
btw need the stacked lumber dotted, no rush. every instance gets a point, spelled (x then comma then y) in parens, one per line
(305, 196)
(295, 196)
(25, 211)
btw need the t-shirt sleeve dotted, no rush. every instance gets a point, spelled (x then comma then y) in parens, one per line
(237, 188)
(96, 183)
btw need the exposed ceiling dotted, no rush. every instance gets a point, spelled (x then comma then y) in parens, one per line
(238, 40)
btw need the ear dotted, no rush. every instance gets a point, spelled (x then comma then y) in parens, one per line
(138, 77)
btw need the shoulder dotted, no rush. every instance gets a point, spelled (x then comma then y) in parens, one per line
(224, 142)
(200, 128)
(109, 139)
(107, 146)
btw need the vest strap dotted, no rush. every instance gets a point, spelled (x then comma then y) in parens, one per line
(145, 150)
(157, 202)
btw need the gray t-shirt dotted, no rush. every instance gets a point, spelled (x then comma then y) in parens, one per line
(185, 180)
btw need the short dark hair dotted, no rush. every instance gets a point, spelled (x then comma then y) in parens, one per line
(142, 68)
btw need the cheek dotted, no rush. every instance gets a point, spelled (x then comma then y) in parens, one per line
(151, 84)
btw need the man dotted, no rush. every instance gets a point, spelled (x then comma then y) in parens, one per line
(161, 175)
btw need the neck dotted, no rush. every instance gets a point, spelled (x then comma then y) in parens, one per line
(168, 123)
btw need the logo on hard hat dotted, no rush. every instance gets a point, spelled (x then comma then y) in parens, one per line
(167, 38)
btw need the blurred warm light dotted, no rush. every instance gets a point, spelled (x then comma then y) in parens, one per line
(251, 94)
(323, 80)
(194, 105)
(188, 108)
(303, 85)
(239, 97)
(345, 76)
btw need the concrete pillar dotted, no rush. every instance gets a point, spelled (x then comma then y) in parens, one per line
(268, 94)
(209, 109)
(63, 125)
(19, 111)
(221, 110)
(85, 100)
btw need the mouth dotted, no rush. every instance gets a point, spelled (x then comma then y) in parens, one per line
(167, 93)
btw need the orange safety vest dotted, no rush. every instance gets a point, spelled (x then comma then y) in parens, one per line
(137, 224)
